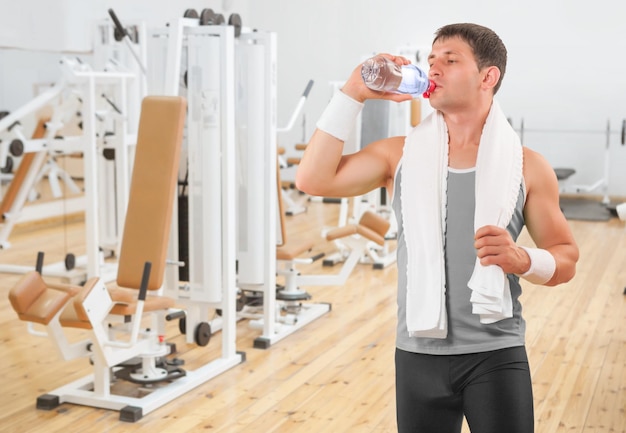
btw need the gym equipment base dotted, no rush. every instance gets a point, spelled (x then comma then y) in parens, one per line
(306, 315)
(132, 409)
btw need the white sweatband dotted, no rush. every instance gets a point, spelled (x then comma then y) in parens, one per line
(542, 265)
(339, 117)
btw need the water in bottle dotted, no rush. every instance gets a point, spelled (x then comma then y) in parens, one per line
(380, 73)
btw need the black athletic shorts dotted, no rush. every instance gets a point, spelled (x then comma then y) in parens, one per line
(491, 389)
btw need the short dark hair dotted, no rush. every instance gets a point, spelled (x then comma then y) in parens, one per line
(488, 48)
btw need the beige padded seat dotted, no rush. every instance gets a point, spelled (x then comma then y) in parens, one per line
(34, 302)
(370, 226)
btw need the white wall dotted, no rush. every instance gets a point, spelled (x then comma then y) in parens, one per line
(565, 73)
(34, 34)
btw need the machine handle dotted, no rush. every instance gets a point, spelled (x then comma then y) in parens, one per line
(39, 265)
(623, 141)
(121, 34)
(118, 24)
(308, 89)
(175, 315)
(298, 109)
(143, 289)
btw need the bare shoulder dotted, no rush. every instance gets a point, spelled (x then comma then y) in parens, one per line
(537, 170)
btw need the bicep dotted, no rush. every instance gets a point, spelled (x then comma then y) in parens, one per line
(545, 221)
(370, 168)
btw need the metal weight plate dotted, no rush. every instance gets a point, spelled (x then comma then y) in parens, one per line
(70, 261)
(16, 148)
(219, 19)
(202, 334)
(207, 17)
(235, 20)
(191, 13)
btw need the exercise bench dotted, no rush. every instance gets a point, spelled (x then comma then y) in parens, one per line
(356, 237)
(120, 347)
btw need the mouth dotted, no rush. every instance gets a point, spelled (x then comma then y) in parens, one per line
(431, 89)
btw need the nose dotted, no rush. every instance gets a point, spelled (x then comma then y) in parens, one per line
(434, 71)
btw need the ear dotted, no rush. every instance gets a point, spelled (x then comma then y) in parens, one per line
(491, 75)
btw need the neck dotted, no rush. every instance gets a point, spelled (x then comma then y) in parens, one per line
(464, 133)
(465, 127)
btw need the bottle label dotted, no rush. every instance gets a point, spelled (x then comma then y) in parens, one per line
(414, 81)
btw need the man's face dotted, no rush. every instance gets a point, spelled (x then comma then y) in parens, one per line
(455, 73)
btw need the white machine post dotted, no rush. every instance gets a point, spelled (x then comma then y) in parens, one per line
(256, 177)
(165, 53)
(210, 154)
(258, 192)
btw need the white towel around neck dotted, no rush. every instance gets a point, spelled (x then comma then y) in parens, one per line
(423, 194)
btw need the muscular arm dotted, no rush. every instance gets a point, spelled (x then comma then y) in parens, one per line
(325, 171)
(546, 225)
(544, 219)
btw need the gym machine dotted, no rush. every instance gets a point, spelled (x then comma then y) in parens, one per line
(259, 195)
(120, 348)
(116, 332)
(102, 95)
(564, 173)
(239, 207)
(286, 164)
(197, 59)
(34, 153)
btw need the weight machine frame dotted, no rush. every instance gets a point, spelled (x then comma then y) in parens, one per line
(207, 54)
(81, 79)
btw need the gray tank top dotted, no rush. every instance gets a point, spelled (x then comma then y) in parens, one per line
(465, 332)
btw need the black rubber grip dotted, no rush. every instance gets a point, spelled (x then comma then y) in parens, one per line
(317, 256)
(39, 265)
(117, 22)
(175, 315)
(143, 289)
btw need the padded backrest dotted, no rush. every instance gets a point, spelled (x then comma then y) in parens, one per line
(152, 190)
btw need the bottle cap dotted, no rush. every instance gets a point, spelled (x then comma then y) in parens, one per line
(431, 87)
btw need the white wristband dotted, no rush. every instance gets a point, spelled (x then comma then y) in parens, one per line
(542, 266)
(340, 115)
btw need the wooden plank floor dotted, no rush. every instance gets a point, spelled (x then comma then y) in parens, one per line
(336, 374)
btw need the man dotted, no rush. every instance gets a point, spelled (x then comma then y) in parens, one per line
(463, 188)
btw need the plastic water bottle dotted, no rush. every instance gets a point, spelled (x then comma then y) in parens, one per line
(380, 73)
